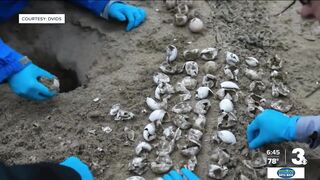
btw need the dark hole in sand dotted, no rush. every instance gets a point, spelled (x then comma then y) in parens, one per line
(67, 76)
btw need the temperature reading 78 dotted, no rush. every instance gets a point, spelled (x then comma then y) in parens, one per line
(273, 161)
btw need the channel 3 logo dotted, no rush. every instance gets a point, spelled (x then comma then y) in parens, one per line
(300, 159)
(290, 172)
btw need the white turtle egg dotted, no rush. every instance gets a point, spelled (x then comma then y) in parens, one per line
(157, 115)
(229, 85)
(226, 105)
(196, 25)
(251, 61)
(152, 104)
(227, 136)
(143, 146)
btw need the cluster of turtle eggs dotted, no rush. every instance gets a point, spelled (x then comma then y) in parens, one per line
(179, 114)
(191, 145)
(184, 14)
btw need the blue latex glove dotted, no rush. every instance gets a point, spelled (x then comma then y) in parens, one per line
(25, 83)
(186, 175)
(271, 126)
(77, 165)
(124, 12)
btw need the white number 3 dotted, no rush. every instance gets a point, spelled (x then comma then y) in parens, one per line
(300, 160)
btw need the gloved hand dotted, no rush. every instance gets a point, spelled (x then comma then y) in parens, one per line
(121, 11)
(81, 168)
(271, 126)
(25, 83)
(186, 174)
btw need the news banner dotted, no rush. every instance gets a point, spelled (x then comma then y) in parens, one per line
(291, 164)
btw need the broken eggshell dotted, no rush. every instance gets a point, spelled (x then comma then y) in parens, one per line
(130, 133)
(169, 132)
(231, 72)
(230, 94)
(194, 136)
(166, 67)
(165, 147)
(258, 160)
(190, 151)
(182, 122)
(182, 107)
(123, 115)
(190, 55)
(209, 80)
(162, 164)
(143, 146)
(183, 8)
(221, 93)
(251, 61)
(185, 96)
(114, 109)
(157, 115)
(228, 73)
(253, 75)
(149, 132)
(154, 105)
(217, 172)
(254, 109)
(209, 54)
(227, 120)
(255, 99)
(186, 84)
(189, 82)
(203, 92)
(202, 107)
(226, 137)
(106, 129)
(192, 163)
(229, 85)
(192, 68)
(275, 63)
(171, 53)
(276, 75)
(256, 86)
(282, 106)
(163, 89)
(51, 84)
(180, 19)
(231, 58)
(220, 156)
(180, 87)
(200, 122)
(279, 89)
(138, 165)
(160, 78)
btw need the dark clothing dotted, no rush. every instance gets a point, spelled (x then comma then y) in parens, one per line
(38, 171)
